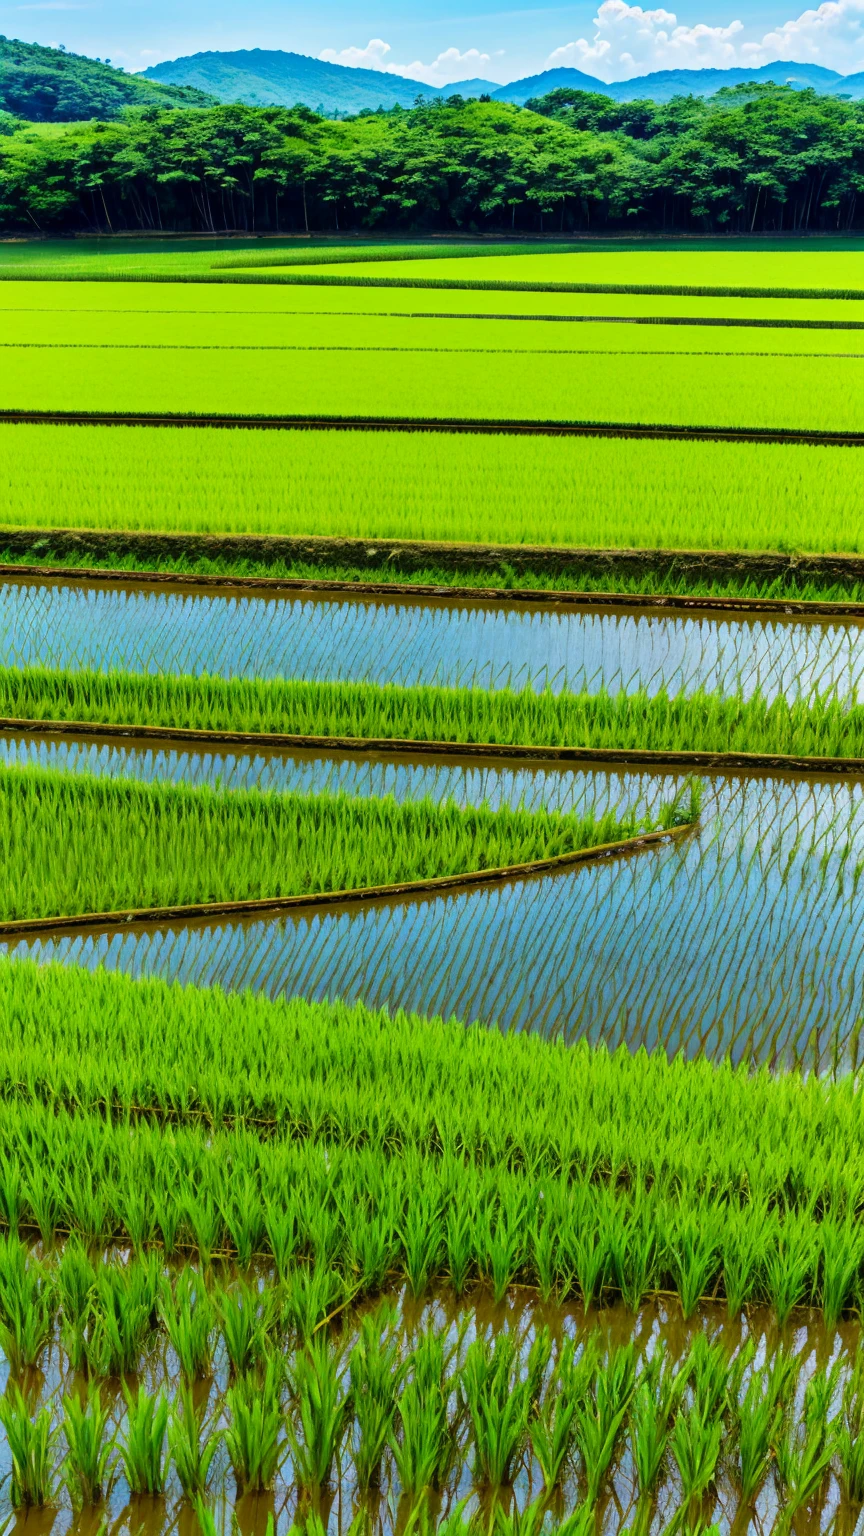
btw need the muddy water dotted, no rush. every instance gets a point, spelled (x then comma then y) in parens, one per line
(743, 938)
(656, 1330)
(413, 641)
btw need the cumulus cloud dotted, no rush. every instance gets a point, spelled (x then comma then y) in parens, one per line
(448, 67)
(631, 41)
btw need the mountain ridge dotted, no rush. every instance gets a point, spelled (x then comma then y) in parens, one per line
(274, 77)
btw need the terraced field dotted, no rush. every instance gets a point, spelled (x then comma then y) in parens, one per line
(430, 1074)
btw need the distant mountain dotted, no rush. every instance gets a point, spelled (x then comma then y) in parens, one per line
(663, 84)
(48, 85)
(261, 77)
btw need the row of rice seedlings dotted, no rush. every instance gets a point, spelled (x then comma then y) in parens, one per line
(761, 393)
(442, 1220)
(59, 835)
(663, 576)
(823, 725)
(374, 1413)
(587, 492)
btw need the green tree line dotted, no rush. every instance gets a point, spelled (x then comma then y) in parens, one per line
(755, 158)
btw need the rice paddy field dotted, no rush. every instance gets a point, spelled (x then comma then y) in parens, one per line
(430, 1057)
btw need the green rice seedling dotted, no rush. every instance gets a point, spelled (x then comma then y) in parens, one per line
(460, 1246)
(88, 1465)
(31, 1448)
(634, 1255)
(76, 1282)
(803, 1455)
(192, 1456)
(27, 1306)
(421, 1238)
(253, 1437)
(424, 1445)
(842, 1254)
(551, 1433)
(591, 1254)
(206, 1224)
(280, 1227)
(504, 1244)
(743, 1246)
(323, 1405)
(695, 1444)
(694, 1257)
(537, 1364)
(649, 1440)
(123, 1315)
(707, 1371)
(377, 1372)
(189, 1317)
(789, 1267)
(247, 1317)
(310, 1294)
(142, 1448)
(498, 1403)
(757, 1421)
(600, 1415)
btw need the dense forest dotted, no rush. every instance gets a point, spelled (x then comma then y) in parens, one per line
(752, 158)
(49, 85)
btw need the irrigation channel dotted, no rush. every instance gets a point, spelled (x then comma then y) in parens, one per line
(409, 641)
(742, 938)
(658, 1338)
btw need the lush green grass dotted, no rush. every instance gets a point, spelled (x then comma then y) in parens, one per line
(238, 299)
(588, 492)
(824, 394)
(73, 843)
(565, 1167)
(386, 333)
(696, 722)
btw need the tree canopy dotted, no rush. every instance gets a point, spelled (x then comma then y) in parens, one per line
(755, 158)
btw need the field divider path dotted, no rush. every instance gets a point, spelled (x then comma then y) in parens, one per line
(419, 554)
(504, 426)
(569, 597)
(649, 757)
(274, 904)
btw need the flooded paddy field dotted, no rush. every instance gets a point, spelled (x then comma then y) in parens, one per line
(662, 1377)
(413, 641)
(742, 939)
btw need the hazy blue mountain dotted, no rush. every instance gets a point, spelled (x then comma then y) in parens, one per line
(663, 84)
(262, 77)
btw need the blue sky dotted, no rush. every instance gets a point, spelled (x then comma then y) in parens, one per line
(436, 41)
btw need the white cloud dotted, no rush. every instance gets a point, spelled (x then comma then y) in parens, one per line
(631, 41)
(450, 66)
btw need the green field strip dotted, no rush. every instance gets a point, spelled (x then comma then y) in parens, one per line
(417, 334)
(834, 272)
(194, 847)
(701, 722)
(810, 394)
(132, 917)
(38, 296)
(741, 764)
(469, 489)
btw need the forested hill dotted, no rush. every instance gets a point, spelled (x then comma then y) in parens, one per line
(48, 85)
(750, 159)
